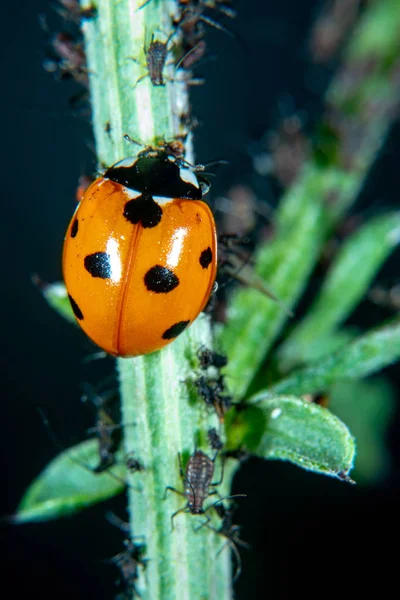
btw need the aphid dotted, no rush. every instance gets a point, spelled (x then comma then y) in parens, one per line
(208, 358)
(191, 20)
(229, 531)
(236, 265)
(198, 480)
(331, 27)
(386, 297)
(68, 59)
(128, 563)
(214, 439)
(211, 391)
(320, 398)
(156, 56)
(133, 464)
(73, 458)
(107, 431)
(71, 10)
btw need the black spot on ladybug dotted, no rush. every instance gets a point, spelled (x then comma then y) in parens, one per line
(76, 310)
(98, 265)
(160, 280)
(175, 330)
(206, 258)
(143, 209)
(74, 228)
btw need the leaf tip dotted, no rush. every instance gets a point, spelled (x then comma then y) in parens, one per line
(343, 476)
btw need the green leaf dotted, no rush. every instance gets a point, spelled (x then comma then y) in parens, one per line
(290, 428)
(367, 407)
(285, 265)
(365, 355)
(345, 285)
(67, 485)
(56, 296)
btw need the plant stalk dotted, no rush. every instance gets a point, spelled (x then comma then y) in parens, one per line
(163, 417)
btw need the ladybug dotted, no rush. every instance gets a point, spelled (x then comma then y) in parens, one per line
(140, 253)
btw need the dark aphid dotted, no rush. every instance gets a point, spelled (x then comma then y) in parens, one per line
(231, 532)
(208, 358)
(214, 439)
(198, 480)
(198, 477)
(99, 469)
(128, 562)
(107, 431)
(211, 391)
(109, 438)
(156, 55)
(133, 464)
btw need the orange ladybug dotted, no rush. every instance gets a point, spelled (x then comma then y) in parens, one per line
(140, 254)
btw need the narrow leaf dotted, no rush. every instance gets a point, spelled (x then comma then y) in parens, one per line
(346, 284)
(68, 485)
(285, 265)
(290, 428)
(366, 355)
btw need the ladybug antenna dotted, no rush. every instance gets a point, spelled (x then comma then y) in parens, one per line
(216, 163)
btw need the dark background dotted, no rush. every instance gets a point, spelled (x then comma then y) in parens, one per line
(309, 535)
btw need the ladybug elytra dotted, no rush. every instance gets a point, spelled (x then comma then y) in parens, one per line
(140, 254)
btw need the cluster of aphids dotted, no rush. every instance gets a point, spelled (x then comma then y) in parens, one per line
(189, 23)
(210, 385)
(65, 54)
(197, 476)
(193, 16)
(107, 429)
(198, 486)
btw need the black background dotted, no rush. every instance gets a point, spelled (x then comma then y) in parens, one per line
(309, 535)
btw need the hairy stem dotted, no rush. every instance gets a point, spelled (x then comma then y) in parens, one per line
(161, 413)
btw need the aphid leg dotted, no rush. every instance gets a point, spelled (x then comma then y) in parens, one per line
(236, 552)
(117, 522)
(215, 483)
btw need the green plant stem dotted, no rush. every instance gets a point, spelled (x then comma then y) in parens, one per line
(161, 415)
